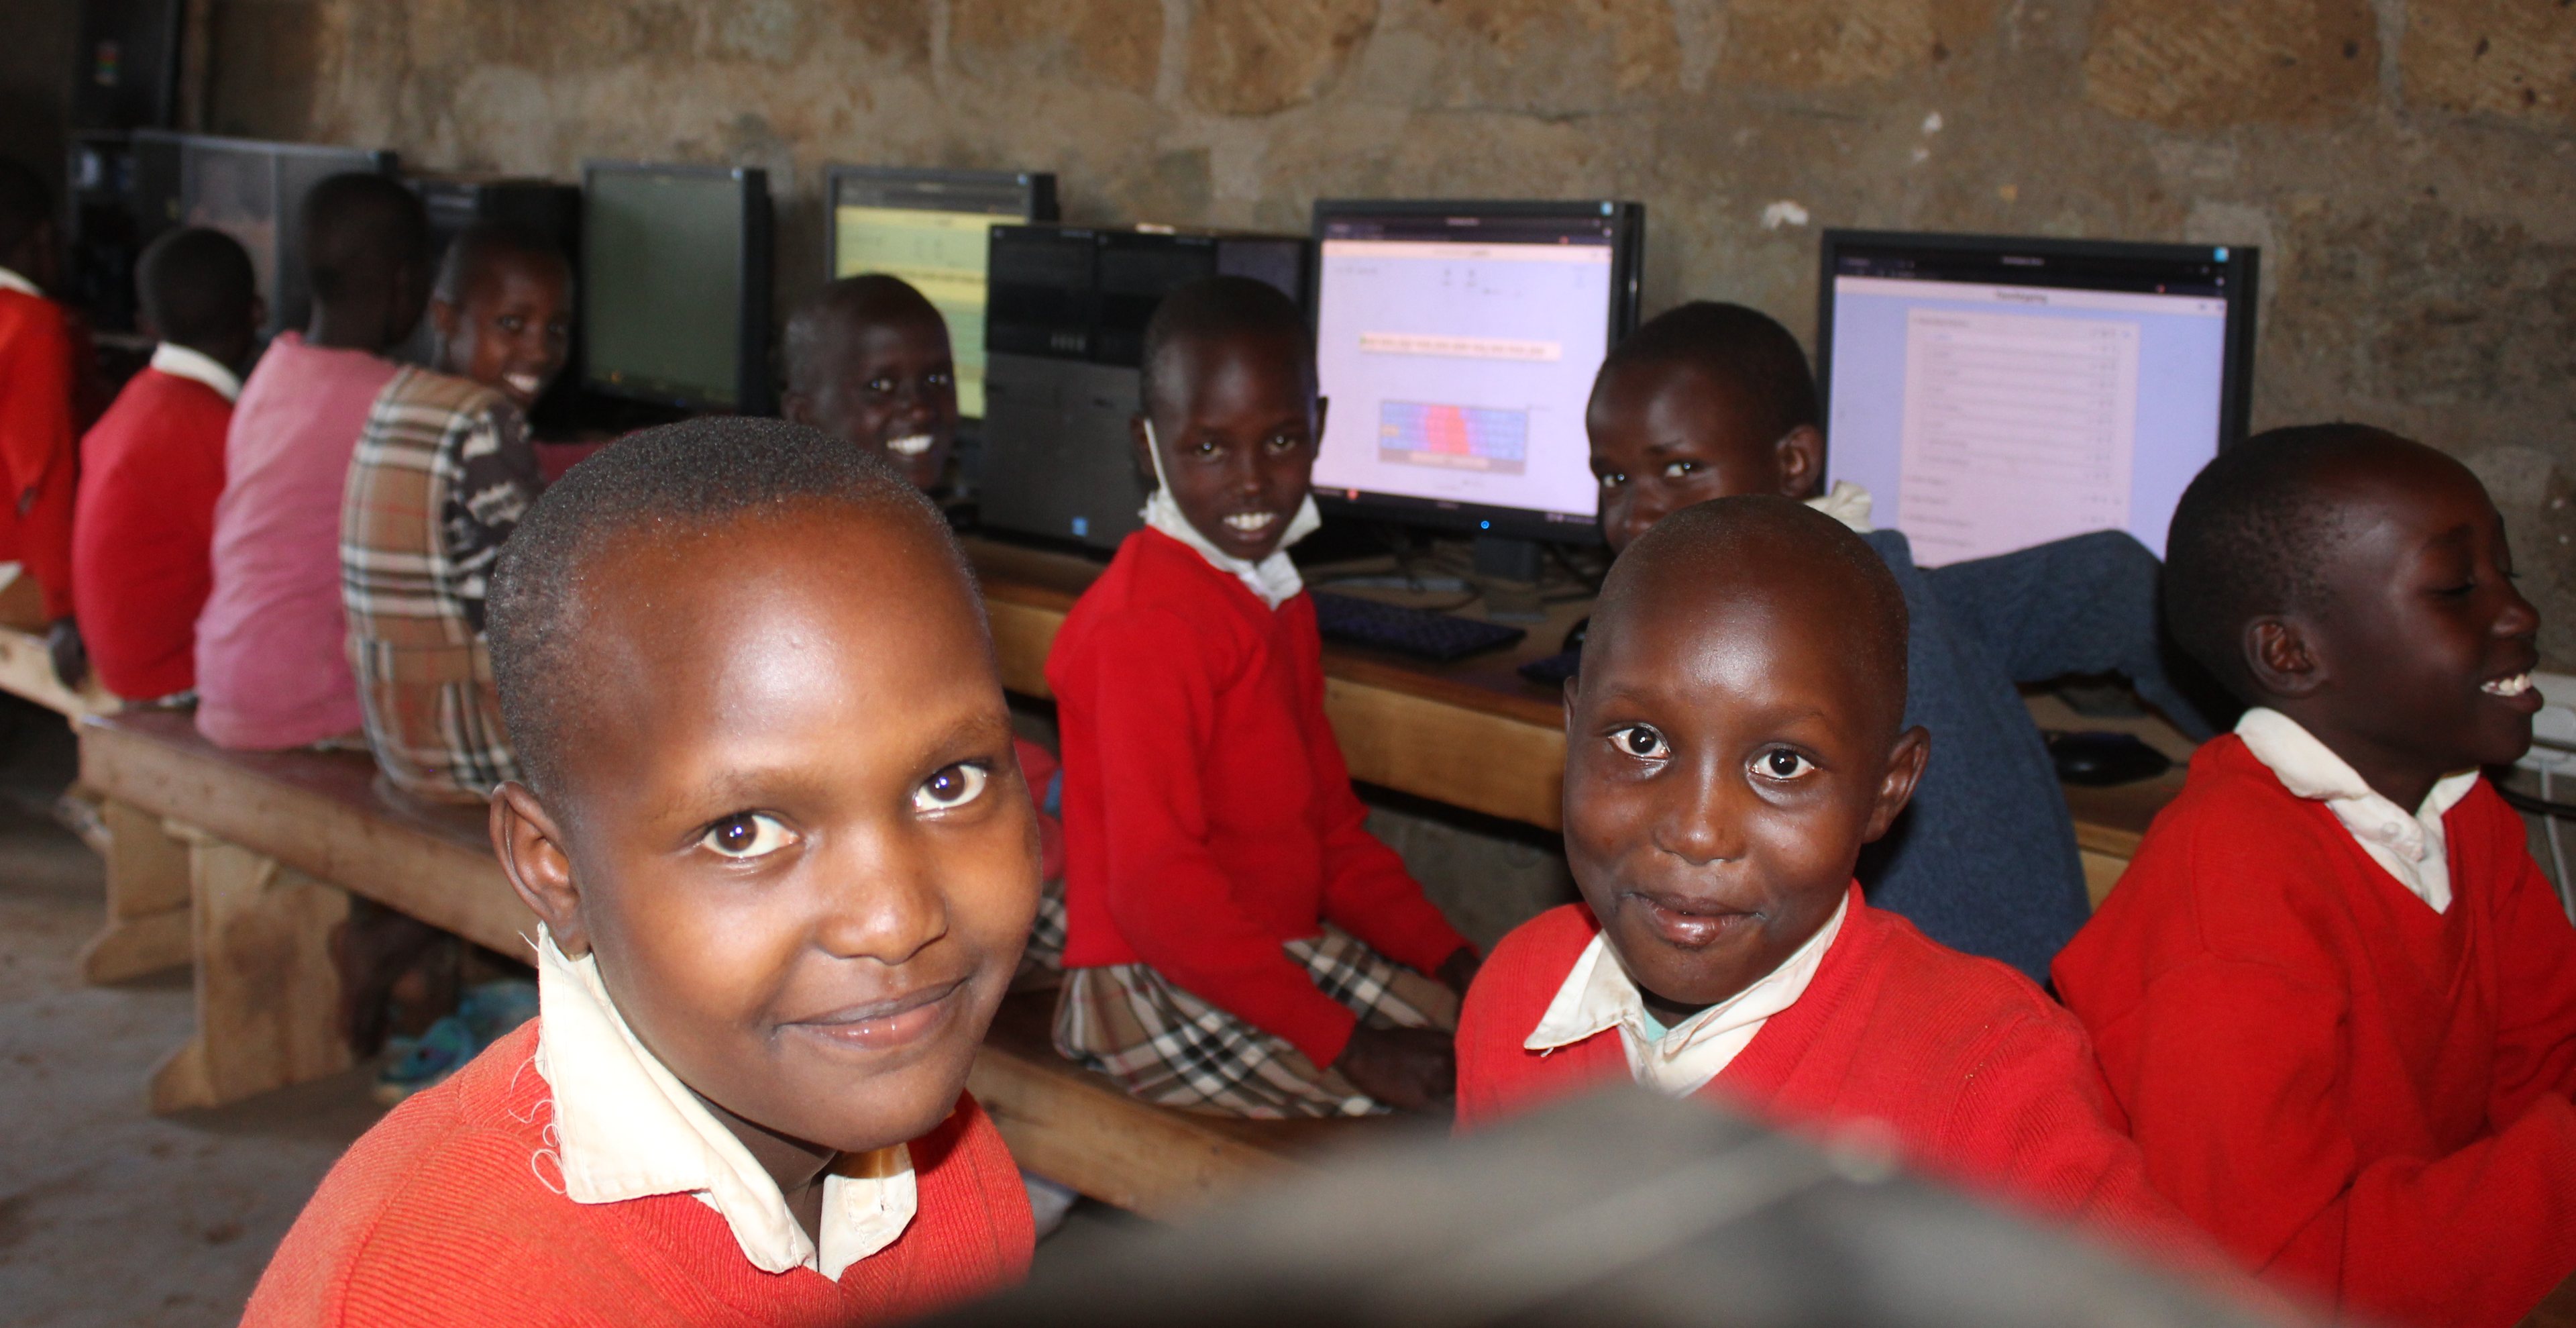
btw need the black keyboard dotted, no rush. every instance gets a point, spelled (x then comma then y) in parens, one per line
(1421, 633)
(1553, 670)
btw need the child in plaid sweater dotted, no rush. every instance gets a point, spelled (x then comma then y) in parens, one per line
(441, 476)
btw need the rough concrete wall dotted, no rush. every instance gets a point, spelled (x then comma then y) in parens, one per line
(2405, 164)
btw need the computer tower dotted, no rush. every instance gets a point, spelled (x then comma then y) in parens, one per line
(541, 207)
(1064, 335)
(125, 72)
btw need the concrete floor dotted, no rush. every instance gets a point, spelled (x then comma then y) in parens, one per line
(110, 1215)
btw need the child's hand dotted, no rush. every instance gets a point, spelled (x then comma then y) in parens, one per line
(1409, 1069)
(1459, 969)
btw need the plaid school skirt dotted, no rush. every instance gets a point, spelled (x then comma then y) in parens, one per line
(1168, 1046)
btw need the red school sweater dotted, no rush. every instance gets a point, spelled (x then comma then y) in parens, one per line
(1207, 814)
(446, 1213)
(151, 470)
(38, 438)
(2363, 1099)
(1981, 1079)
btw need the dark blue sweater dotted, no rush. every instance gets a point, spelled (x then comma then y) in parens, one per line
(1983, 859)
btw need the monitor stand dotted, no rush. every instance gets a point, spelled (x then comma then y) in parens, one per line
(1506, 559)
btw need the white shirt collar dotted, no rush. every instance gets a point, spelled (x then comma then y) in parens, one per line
(195, 365)
(1846, 502)
(626, 1128)
(1274, 579)
(2409, 845)
(10, 280)
(1598, 994)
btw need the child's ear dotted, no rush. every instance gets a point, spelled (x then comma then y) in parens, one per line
(1801, 454)
(2281, 659)
(796, 408)
(1904, 769)
(444, 319)
(1321, 405)
(532, 854)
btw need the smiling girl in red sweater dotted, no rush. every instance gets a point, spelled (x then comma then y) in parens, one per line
(1236, 940)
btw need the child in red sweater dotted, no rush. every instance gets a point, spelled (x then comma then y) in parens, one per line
(1735, 736)
(39, 424)
(153, 466)
(1236, 940)
(783, 861)
(2332, 992)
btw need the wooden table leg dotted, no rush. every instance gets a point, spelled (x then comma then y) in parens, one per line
(147, 899)
(267, 997)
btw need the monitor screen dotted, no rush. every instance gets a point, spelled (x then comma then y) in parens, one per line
(1994, 394)
(933, 229)
(662, 290)
(1457, 344)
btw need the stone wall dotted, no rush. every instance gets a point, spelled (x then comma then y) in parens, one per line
(2404, 164)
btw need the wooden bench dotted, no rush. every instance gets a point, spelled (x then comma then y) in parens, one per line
(270, 845)
(147, 895)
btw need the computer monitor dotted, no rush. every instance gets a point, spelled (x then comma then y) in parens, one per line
(931, 228)
(1994, 393)
(1457, 342)
(253, 191)
(675, 278)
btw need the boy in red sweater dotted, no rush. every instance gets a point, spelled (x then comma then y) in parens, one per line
(775, 836)
(153, 466)
(1735, 736)
(39, 430)
(1237, 941)
(2333, 993)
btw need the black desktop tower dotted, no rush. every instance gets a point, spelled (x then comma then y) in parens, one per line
(1063, 334)
(125, 72)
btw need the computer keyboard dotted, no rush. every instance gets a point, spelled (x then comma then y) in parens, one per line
(1421, 633)
(1553, 670)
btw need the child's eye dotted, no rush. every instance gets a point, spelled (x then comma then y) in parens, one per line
(1781, 763)
(511, 322)
(881, 386)
(1674, 470)
(1283, 443)
(1612, 479)
(1642, 741)
(746, 835)
(951, 788)
(940, 378)
(1203, 448)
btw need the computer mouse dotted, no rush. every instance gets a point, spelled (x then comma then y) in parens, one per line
(2097, 758)
(1574, 635)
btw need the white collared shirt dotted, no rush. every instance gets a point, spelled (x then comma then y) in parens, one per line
(10, 280)
(2410, 845)
(1848, 503)
(1273, 580)
(626, 1128)
(1598, 994)
(196, 366)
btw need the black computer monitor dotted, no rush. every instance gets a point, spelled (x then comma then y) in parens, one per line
(1457, 342)
(252, 190)
(675, 279)
(932, 228)
(1993, 393)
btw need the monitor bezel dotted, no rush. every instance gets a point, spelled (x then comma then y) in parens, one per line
(2243, 268)
(1038, 188)
(1627, 259)
(754, 392)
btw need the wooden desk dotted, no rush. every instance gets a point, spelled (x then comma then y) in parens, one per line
(26, 670)
(1475, 734)
(270, 845)
(1472, 734)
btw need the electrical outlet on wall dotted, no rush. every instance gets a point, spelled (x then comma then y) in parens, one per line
(2553, 730)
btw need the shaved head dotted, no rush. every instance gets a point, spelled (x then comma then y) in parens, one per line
(359, 230)
(1772, 548)
(842, 308)
(485, 243)
(197, 287)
